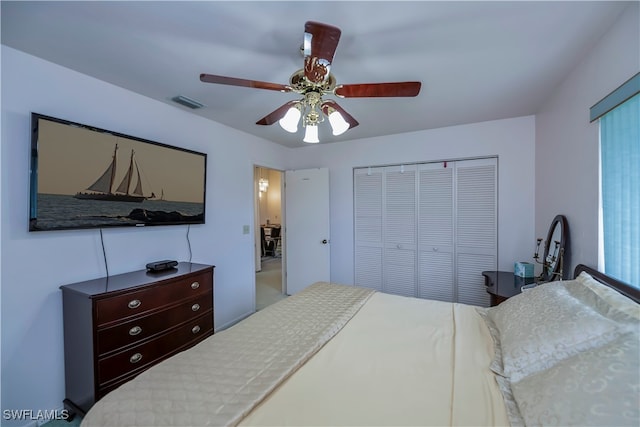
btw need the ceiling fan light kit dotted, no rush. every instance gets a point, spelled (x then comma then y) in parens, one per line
(312, 82)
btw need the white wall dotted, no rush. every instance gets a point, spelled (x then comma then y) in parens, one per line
(512, 140)
(34, 265)
(567, 158)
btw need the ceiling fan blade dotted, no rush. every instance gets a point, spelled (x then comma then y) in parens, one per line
(233, 81)
(319, 46)
(373, 90)
(276, 115)
(346, 116)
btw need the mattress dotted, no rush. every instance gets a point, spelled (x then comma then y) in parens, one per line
(330, 355)
(399, 361)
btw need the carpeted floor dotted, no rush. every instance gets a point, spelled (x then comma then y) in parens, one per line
(269, 283)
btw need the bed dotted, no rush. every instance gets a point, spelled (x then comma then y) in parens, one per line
(562, 353)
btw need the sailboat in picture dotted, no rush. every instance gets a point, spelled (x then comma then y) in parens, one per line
(102, 188)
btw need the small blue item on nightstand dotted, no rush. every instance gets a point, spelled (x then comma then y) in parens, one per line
(523, 269)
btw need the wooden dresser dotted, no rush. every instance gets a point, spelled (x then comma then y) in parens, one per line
(117, 327)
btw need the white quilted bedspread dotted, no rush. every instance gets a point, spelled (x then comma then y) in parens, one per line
(219, 381)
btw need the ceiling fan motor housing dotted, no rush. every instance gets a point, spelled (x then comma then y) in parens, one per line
(301, 84)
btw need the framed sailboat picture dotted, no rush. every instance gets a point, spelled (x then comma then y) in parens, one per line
(86, 177)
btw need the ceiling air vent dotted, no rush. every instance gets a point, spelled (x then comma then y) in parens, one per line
(187, 102)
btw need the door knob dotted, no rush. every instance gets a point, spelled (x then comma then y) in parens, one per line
(324, 241)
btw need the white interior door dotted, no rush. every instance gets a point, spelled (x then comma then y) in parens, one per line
(477, 227)
(436, 237)
(307, 228)
(368, 211)
(399, 228)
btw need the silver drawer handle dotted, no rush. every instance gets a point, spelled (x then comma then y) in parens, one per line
(195, 285)
(134, 303)
(135, 330)
(195, 329)
(195, 307)
(135, 358)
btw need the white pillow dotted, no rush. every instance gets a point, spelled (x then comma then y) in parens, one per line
(604, 299)
(598, 387)
(534, 330)
(566, 353)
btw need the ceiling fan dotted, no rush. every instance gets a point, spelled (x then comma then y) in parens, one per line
(312, 82)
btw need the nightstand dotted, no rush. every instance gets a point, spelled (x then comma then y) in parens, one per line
(502, 285)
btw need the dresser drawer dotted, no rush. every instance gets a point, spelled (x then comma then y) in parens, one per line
(141, 328)
(121, 307)
(146, 354)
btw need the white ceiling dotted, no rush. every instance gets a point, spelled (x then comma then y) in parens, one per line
(476, 60)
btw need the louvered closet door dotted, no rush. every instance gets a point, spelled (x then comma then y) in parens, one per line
(476, 228)
(436, 231)
(399, 228)
(368, 227)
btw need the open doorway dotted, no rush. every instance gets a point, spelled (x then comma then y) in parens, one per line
(269, 236)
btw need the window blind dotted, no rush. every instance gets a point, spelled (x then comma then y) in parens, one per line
(620, 181)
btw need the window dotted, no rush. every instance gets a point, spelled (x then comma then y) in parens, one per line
(620, 181)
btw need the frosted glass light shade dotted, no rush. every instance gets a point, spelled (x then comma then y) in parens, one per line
(290, 120)
(311, 134)
(338, 123)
